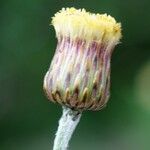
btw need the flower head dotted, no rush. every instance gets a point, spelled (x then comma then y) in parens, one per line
(79, 75)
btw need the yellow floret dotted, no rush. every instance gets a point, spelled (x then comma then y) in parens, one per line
(78, 23)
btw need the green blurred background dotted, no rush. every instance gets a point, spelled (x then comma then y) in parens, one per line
(28, 121)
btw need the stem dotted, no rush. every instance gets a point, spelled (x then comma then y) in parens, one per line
(67, 125)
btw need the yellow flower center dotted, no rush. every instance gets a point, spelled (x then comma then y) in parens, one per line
(78, 23)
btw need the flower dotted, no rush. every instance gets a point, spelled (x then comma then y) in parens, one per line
(79, 75)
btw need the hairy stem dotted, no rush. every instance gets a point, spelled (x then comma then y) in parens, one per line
(67, 125)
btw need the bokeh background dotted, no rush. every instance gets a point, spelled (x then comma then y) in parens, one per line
(27, 44)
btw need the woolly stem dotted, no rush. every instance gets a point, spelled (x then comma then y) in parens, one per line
(67, 125)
